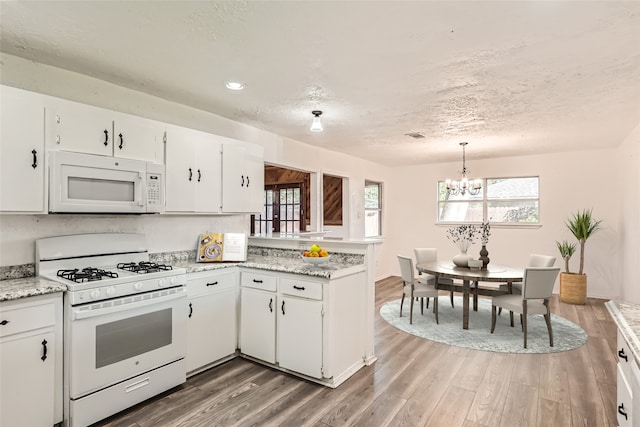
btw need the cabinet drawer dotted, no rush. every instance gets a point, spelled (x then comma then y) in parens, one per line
(206, 282)
(624, 405)
(259, 281)
(26, 317)
(301, 288)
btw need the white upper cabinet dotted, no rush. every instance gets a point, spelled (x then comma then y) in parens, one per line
(192, 171)
(138, 138)
(242, 177)
(72, 126)
(22, 163)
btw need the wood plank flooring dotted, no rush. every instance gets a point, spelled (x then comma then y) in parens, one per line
(415, 382)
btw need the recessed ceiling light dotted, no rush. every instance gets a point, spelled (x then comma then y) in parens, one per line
(234, 85)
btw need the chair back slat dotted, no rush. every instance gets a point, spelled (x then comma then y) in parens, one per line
(536, 260)
(538, 282)
(425, 254)
(406, 269)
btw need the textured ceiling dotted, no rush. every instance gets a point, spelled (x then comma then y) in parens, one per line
(511, 78)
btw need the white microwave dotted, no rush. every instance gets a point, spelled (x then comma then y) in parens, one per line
(90, 183)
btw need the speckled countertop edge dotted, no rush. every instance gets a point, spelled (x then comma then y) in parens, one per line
(27, 287)
(11, 289)
(627, 318)
(331, 270)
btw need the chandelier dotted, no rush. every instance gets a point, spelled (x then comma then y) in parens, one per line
(465, 185)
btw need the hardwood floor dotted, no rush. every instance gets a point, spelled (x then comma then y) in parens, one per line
(415, 382)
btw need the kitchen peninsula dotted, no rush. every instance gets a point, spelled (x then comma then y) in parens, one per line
(323, 323)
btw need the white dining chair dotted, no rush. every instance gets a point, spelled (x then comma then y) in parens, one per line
(537, 287)
(414, 289)
(430, 255)
(535, 260)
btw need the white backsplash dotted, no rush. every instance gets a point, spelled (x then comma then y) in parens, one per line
(165, 233)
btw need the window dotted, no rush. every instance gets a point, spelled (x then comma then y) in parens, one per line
(372, 209)
(501, 200)
(282, 211)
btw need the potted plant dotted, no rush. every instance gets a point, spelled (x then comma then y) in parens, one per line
(566, 250)
(573, 286)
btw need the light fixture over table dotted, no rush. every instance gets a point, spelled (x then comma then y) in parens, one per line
(316, 125)
(465, 185)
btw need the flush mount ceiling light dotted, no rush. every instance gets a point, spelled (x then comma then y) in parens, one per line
(234, 85)
(465, 185)
(316, 125)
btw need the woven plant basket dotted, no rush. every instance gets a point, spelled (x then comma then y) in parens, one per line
(573, 288)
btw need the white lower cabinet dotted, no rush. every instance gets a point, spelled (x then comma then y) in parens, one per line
(628, 385)
(212, 324)
(258, 304)
(307, 325)
(30, 361)
(300, 335)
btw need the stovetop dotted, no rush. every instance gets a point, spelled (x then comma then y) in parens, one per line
(93, 274)
(91, 284)
(102, 266)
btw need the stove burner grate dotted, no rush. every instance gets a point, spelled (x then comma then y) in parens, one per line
(143, 267)
(88, 274)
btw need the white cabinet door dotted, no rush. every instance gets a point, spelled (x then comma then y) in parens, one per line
(22, 177)
(255, 179)
(258, 324)
(192, 171)
(207, 174)
(138, 138)
(27, 386)
(242, 177)
(211, 329)
(72, 126)
(300, 335)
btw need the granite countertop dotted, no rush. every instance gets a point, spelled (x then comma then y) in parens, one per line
(267, 259)
(28, 287)
(627, 318)
(333, 269)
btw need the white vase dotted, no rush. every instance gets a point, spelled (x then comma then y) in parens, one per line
(462, 259)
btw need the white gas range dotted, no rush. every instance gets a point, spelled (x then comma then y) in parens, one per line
(124, 322)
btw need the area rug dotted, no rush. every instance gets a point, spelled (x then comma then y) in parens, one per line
(566, 335)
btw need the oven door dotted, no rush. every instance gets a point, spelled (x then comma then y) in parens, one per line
(113, 340)
(96, 184)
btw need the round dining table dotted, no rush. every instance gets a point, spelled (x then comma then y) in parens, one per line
(492, 273)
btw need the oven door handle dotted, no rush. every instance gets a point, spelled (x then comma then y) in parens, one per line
(126, 303)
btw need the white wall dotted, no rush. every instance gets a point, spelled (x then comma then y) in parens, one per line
(629, 164)
(568, 182)
(164, 232)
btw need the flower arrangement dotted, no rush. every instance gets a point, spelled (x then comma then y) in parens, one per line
(463, 236)
(485, 231)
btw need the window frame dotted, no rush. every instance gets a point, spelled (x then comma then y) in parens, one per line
(276, 220)
(379, 184)
(485, 201)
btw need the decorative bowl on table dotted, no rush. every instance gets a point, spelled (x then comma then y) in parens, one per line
(316, 260)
